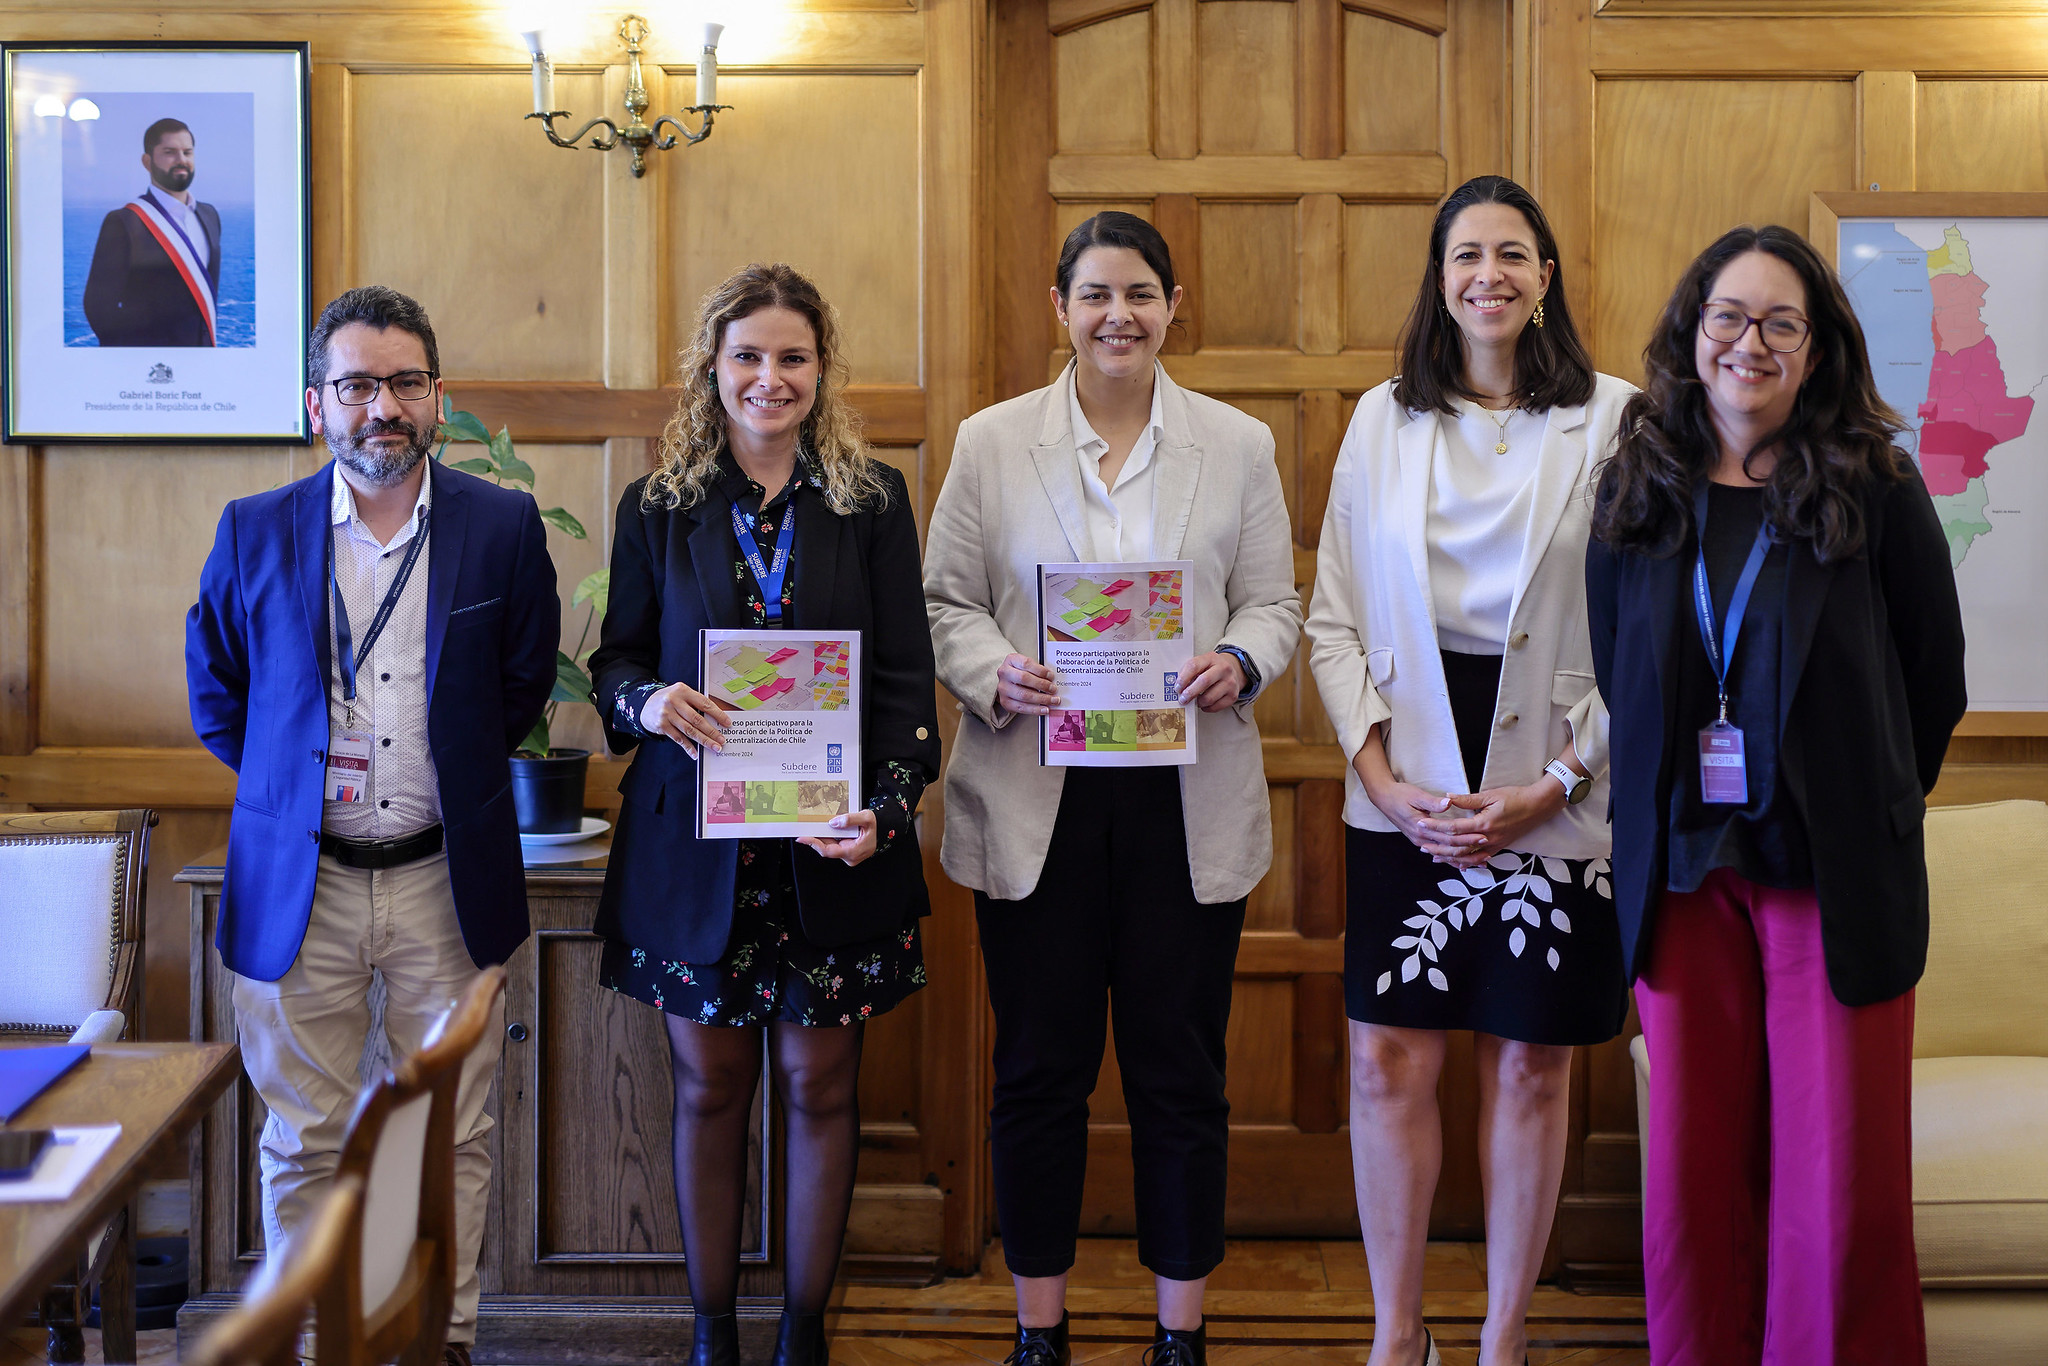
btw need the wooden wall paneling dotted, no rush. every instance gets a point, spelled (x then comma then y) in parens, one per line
(1815, 47)
(1103, 82)
(21, 559)
(1176, 80)
(1322, 1085)
(334, 181)
(575, 478)
(1386, 252)
(1322, 434)
(1392, 87)
(843, 206)
(1271, 905)
(125, 532)
(1431, 16)
(586, 412)
(517, 298)
(1981, 135)
(1179, 220)
(1674, 170)
(1885, 141)
(1019, 211)
(1376, 175)
(1252, 246)
(1247, 56)
(634, 264)
(1561, 141)
(1260, 1046)
(1319, 860)
(1478, 62)
(1263, 370)
(1319, 40)
(1320, 225)
(953, 1096)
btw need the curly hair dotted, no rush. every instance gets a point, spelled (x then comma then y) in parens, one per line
(830, 438)
(1838, 440)
(1553, 369)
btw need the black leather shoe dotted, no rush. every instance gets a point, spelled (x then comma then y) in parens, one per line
(715, 1340)
(800, 1340)
(1041, 1346)
(1177, 1347)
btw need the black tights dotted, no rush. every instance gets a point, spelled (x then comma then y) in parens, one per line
(817, 1077)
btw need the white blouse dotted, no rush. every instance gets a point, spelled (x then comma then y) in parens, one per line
(1119, 518)
(1479, 508)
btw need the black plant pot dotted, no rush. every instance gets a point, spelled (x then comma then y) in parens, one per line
(548, 793)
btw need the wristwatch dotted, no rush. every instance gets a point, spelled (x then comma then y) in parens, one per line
(1575, 787)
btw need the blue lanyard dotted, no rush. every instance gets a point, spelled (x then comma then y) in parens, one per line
(770, 578)
(353, 660)
(1722, 650)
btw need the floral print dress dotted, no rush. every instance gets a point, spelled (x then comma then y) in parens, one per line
(771, 971)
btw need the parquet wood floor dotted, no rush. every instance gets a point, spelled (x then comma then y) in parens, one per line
(1271, 1303)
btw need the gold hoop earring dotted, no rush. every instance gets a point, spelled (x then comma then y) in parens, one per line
(1537, 316)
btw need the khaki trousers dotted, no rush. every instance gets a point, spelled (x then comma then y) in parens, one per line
(303, 1038)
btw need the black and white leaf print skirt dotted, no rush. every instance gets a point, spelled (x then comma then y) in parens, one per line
(1526, 948)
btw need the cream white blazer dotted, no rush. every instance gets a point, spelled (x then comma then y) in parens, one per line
(1372, 626)
(1012, 500)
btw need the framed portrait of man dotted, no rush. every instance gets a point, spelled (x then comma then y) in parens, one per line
(156, 249)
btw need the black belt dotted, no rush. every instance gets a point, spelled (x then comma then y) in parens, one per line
(375, 854)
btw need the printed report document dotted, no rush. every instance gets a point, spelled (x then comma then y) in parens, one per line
(1116, 638)
(792, 745)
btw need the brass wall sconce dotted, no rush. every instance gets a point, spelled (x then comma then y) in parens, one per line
(636, 134)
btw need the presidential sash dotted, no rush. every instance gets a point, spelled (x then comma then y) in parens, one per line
(190, 261)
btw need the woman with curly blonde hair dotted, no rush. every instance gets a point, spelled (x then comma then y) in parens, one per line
(731, 937)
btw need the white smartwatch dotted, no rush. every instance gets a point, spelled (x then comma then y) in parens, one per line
(1575, 787)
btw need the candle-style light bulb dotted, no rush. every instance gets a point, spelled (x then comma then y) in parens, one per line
(543, 71)
(707, 67)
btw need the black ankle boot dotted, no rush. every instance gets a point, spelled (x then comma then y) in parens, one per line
(1177, 1347)
(715, 1340)
(800, 1340)
(1041, 1346)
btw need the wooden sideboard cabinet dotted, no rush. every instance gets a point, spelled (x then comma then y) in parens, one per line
(582, 1257)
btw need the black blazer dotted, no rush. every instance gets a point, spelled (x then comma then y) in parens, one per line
(1870, 688)
(669, 892)
(134, 295)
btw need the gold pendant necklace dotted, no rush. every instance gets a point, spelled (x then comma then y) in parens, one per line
(1501, 446)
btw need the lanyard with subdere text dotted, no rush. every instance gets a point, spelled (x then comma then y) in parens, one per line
(770, 577)
(352, 659)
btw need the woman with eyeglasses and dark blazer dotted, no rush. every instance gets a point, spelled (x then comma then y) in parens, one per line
(1777, 635)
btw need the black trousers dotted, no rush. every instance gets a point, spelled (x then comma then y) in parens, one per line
(1113, 927)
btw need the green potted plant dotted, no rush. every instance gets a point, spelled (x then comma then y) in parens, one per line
(547, 783)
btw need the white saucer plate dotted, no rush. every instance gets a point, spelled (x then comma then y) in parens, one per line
(593, 826)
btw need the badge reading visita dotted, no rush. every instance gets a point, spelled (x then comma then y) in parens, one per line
(1723, 777)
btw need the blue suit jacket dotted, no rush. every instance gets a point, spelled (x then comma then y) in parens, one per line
(256, 665)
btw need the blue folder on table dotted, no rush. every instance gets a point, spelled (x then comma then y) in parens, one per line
(26, 1072)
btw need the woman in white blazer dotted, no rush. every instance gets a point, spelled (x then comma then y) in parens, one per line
(1448, 636)
(1109, 889)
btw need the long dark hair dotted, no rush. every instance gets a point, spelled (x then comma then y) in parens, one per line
(1838, 439)
(1114, 228)
(1552, 366)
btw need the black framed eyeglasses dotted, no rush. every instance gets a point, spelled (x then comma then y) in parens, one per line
(408, 386)
(1781, 332)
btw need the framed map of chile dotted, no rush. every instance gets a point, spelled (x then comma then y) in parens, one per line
(156, 242)
(1949, 289)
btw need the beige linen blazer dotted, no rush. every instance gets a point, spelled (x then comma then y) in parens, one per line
(1372, 625)
(1012, 500)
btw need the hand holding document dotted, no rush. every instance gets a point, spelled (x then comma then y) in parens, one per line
(790, 761)
(1116, 639)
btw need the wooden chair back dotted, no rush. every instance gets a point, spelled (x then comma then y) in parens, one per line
(398, 1282)
(72, 887)
(264, 1329)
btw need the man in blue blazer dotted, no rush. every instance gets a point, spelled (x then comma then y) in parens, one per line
(369, 645)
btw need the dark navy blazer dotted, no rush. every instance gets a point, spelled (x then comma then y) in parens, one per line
(257, 662)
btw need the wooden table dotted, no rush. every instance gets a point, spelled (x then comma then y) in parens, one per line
(155, 1092)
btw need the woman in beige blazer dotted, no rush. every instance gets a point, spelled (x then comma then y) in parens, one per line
(1448, 636)
(1109, 889)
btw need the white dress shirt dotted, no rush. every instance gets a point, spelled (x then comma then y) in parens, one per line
(1119, 517)
(185, 216)
(391, 684)
(1479, 508)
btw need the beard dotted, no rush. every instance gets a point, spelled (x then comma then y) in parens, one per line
(174, 180)
(381, 466)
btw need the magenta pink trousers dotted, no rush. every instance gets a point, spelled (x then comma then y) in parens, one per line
(1778, 1220)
